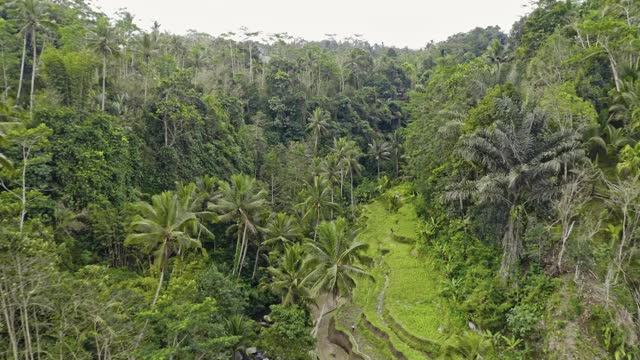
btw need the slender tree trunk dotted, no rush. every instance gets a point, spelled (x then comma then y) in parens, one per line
(23, 199)
(566, 232)
(104, 80)
(245, 247)
(33, 71)
(9, 321)
(352, 200)
(24, 57)
(238, 252)
(510, 244)
(4, 78)
(378, 162)
(163, 269)
(250, 62)
(255, 264)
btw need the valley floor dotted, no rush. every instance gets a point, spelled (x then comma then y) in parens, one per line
(399, 315)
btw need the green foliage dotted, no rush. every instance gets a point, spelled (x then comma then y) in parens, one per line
(288, 335)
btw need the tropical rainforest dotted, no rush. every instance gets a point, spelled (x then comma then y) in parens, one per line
(260, 196)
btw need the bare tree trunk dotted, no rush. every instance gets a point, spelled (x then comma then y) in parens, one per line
(24, 56)
(352, 199)
(566, 232)
(163, 269)
(245, 246)
(255, 264)
(33, 71)
(104, 80)
(9, 321)
(26, 151)
(510, 246)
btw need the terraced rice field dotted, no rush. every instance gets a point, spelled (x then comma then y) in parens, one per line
(403, 303)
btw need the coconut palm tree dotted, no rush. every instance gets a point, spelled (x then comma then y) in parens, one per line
(379, 150)
(350, 162)
(339, 150)
(336, 259)
(317, 199)
(32, 15)
(518, 160)
(330, 170)
(164, 228)
(241, 200)
(104, 42)
(281, 231)
(147, 50)
(318, 126)
(290, 278)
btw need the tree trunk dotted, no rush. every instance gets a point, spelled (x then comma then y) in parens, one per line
(23, 199)
(566, 232)
(352, 200)
(104, 80)
(165, 259)
(255, 264)
(9, 321)
(510, 245)
(33, 71)
(245, 247)
(24, 56)
(238, 252)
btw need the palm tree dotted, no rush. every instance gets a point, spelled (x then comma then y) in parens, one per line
(470, 345)
(317, 198)
(164, 228)
(330, 170)
(290, 278)
(240, 201)
(497, 54)
(147, 50)
(32, 15)
(281, 231)
(340, 150)
(104, 42)
(352, 165)
(337, 259)
(379, 150)
(519, 161)
(318, 125)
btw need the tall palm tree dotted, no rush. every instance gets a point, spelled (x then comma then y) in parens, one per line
(336, 259)
(164, 228)
(317, 199)
(379, 150)
(350, 161)
(147, 50)
(290, 278)
(519, 161)
(330, 170)
(318, 125)
(240, 201)
(340, 150)
(32, 15)
(104, 41)
(281, 231)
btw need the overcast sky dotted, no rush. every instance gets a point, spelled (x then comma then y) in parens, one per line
(401, 23)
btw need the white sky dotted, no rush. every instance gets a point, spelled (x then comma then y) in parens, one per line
(399, 22)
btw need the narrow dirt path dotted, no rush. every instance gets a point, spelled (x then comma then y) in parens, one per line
(325, 349)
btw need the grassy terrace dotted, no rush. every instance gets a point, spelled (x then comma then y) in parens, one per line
(407, 306)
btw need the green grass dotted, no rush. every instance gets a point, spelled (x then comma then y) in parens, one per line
(412, 297)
